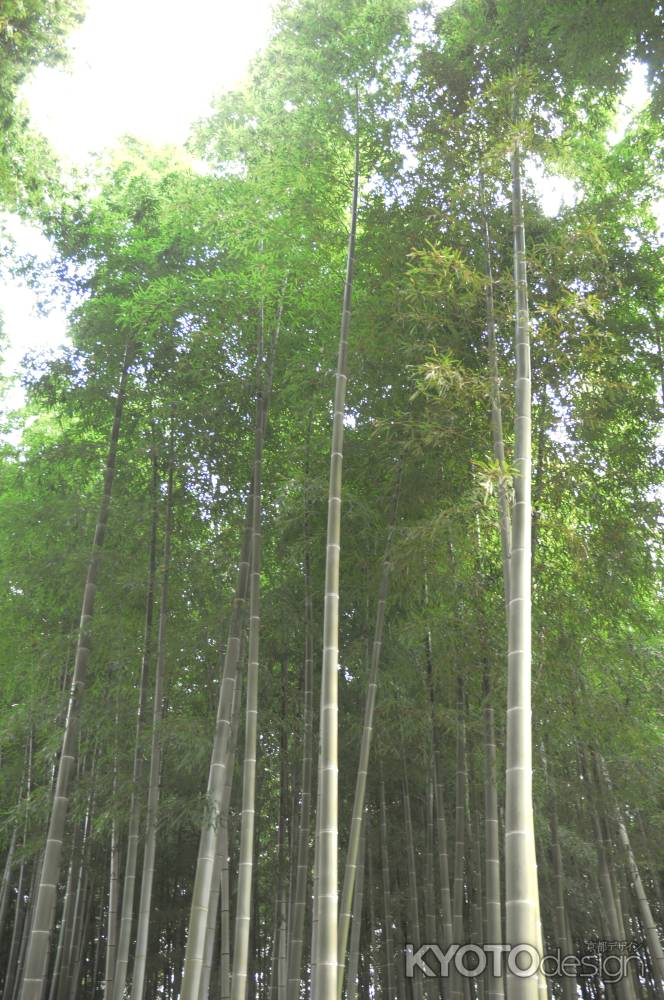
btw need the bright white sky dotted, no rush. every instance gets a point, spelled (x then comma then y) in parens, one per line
(145, 67)
(149, 68)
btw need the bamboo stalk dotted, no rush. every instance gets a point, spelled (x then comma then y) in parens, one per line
(521, 891)
(36, 958)
(326, 956)
(365, 751)
(150, 848)
(131, 855)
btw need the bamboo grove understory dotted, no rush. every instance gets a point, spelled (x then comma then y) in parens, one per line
(331, 542)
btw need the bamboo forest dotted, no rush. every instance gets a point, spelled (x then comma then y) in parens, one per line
(332, 661)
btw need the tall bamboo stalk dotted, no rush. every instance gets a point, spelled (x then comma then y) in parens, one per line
(207, 849)
(296, 938)
(645, 913)
(358, 901)
(279, 957)
(131, 854)
(563, 938)
(222, 854)
(365, 750)
(494, 927)
(23, 798)
(64, 932)
(413, 907)
(439, 801)
(113, 884)
(496, 414)
(224, 897)
(326, 958)
(194, 953)
(387, 899)
(6, 874)
(521, 891)
(243, 911)
(150, 848)
(36, 958)
(456, 984)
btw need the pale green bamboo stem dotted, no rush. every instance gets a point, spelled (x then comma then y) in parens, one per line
(207, 848)
(131, 859)
(387, 900)
(221, 859)
(279, 930)
(112, 919)
(414, 923)
(150, 847)
(225, 944)
(15, 943)
(66, 985)
(456, 984)
(326, 957)
(358, 900)
(521, 891)
(216, 779)
(240, 973)
(65, 925)
(494, 926)
(563, 938)
(443, 854)
(6, 877)
(645, 913)
(475, 888)
(365, 751)
(296, 941)
(496, 419)
(37, 952)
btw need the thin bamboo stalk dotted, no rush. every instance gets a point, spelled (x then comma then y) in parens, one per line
(365, 751)
(131, 858)
(390, 984)
(243, 912)
(207, 849)
(296, 941)
(150, 848)
(326, 902)
(358, 901)
(37, 953)
(222, 852)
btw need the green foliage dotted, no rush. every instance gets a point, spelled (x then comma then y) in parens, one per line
(192, 267)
